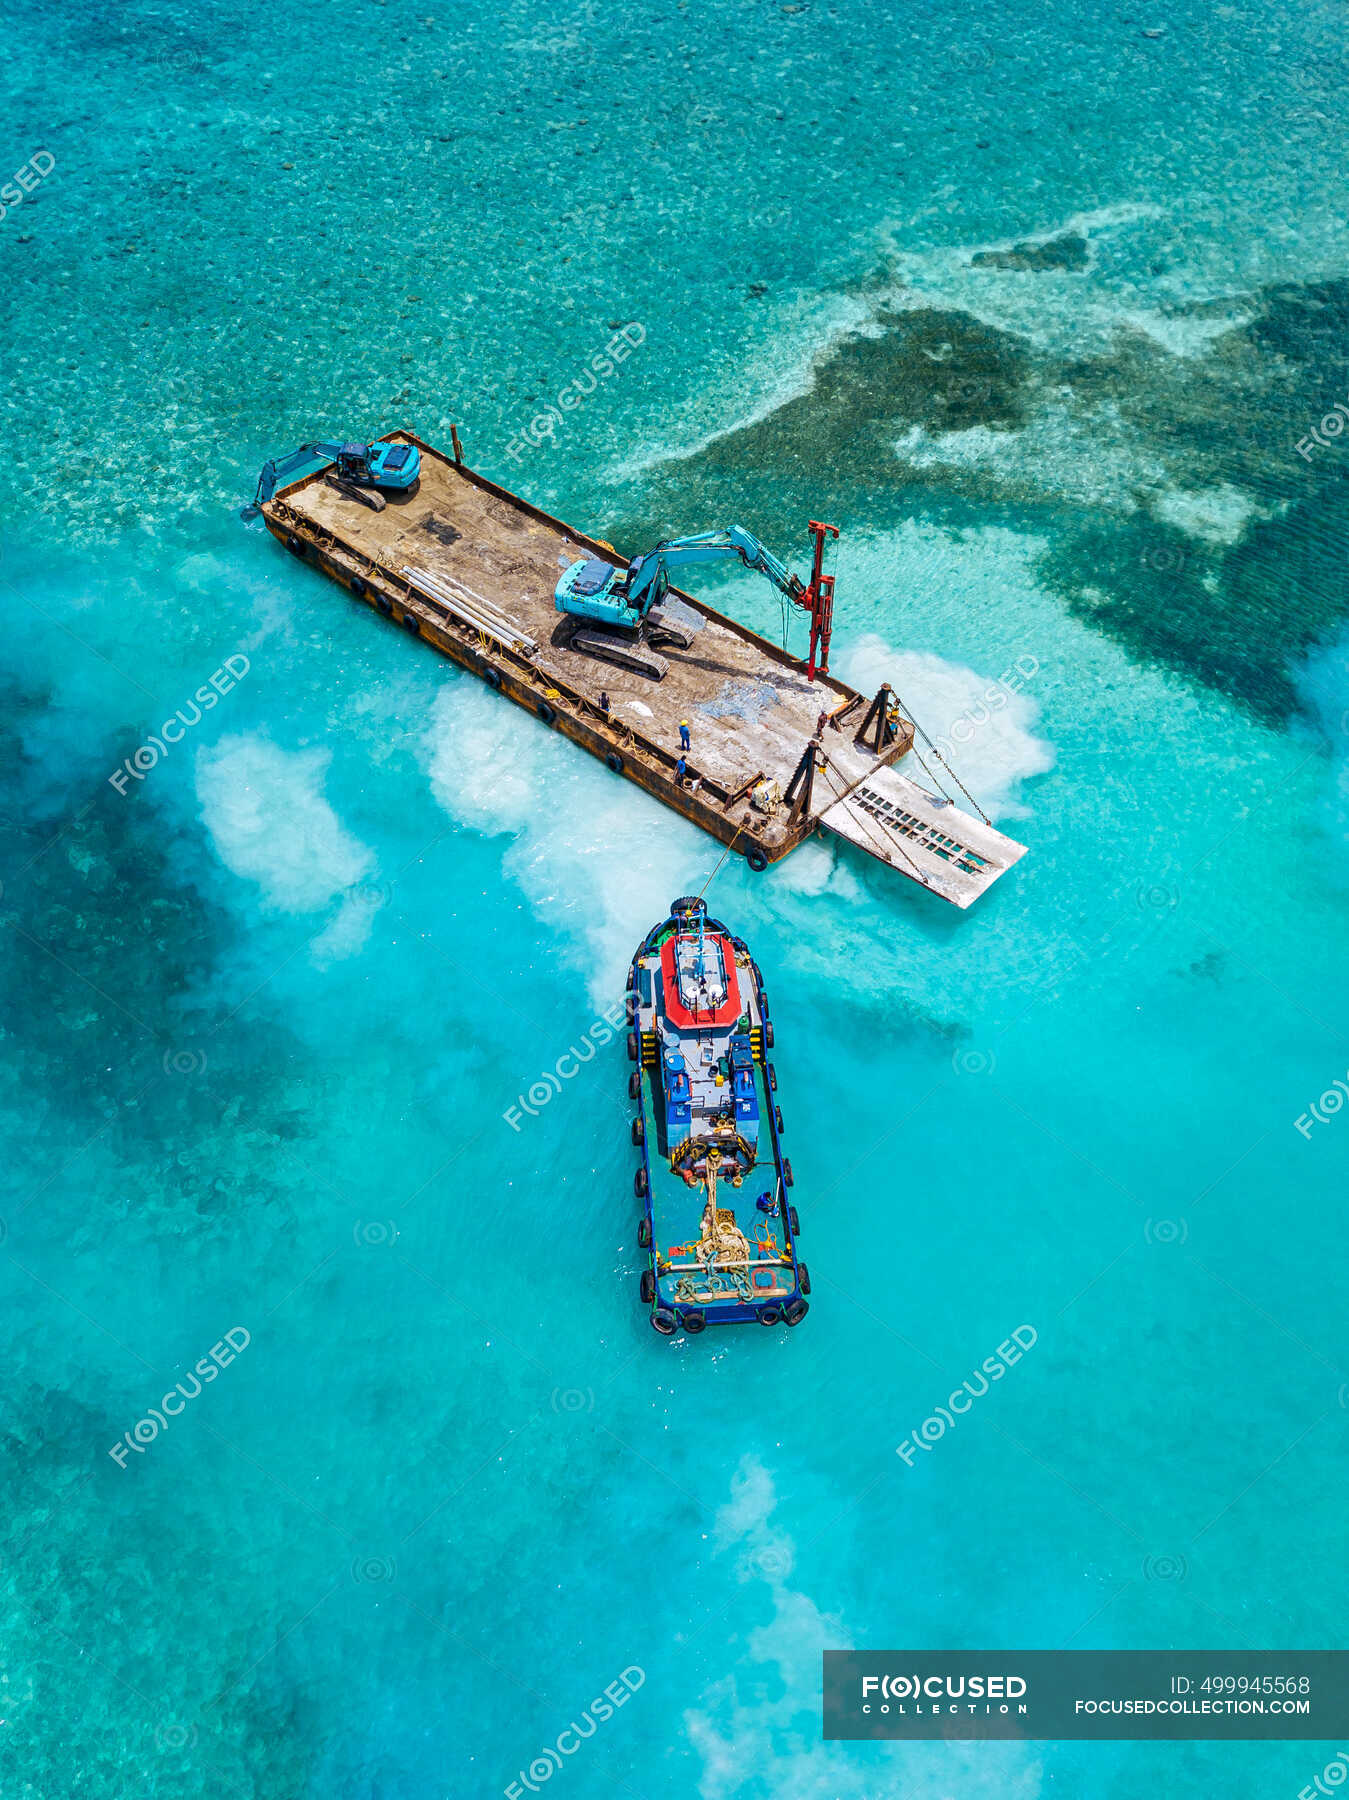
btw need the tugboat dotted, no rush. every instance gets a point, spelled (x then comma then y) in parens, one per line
(718, 1227)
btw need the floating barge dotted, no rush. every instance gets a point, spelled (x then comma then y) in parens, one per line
(471, 569)
(718, 1225)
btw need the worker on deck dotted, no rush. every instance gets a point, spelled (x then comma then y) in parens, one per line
(604, 703)
(681, 771)
(685, 740)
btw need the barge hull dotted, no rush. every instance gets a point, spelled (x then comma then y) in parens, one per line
(471, 568)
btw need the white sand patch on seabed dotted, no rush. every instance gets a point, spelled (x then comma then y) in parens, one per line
(271, 825)
(983, 723)
(1216, 515)
(768, 1720)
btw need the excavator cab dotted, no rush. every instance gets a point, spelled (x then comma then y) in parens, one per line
(594, 589)
(381, 465)
(360, 471)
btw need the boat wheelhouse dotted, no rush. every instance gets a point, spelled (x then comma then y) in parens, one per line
(718, 1225)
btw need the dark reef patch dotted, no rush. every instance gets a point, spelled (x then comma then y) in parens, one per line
(1068, 252)
(110, 967)
(1230, 606)
(834, 445)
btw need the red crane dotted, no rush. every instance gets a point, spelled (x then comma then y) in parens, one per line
(818, 601)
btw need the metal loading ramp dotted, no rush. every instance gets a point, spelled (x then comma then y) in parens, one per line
(923, 836)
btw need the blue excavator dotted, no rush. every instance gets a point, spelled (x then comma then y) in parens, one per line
(633, 608)
(359, 471)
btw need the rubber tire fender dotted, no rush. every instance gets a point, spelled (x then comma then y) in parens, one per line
(644, 1234)
(634, 1084)
(383, 604)
(788, 1179)
(411, 624)
(803, 1278)
(546, 713)
(646, 1287)
(796, 1311)
(493, 680)
(772, 1079)
(614, 763)
(294, 545)
(768, 1034)
(359, 588)
(793, 1221)
(664, 1322)
(756, 859)
(694, 1322)
(777, 1120)
(633, 1047)
(638, 1132)
(769, 1315)
(639, 1183)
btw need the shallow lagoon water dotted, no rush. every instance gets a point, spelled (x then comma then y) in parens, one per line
(265, 1011)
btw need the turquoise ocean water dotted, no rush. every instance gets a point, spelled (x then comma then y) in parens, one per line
(1036, 305)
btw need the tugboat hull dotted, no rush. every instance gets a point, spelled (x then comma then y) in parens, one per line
(718, 1224)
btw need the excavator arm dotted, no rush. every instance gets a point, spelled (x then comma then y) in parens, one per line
(649, 577)
(631, 601)
(278, 471)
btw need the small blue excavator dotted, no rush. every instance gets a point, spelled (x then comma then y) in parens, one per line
(358, 470)
(633, 607)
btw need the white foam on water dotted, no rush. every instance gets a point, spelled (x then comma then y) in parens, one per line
(266, 813)
(813, 870)
(983, 723)
(765, 1718)
(595, 857)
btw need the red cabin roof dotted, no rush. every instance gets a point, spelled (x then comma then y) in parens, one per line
(691, 1017)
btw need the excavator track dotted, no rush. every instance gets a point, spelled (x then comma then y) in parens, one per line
(671, 622)
(370, 497)
(628, 653)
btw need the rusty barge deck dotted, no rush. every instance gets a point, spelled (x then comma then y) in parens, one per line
(470, 568)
